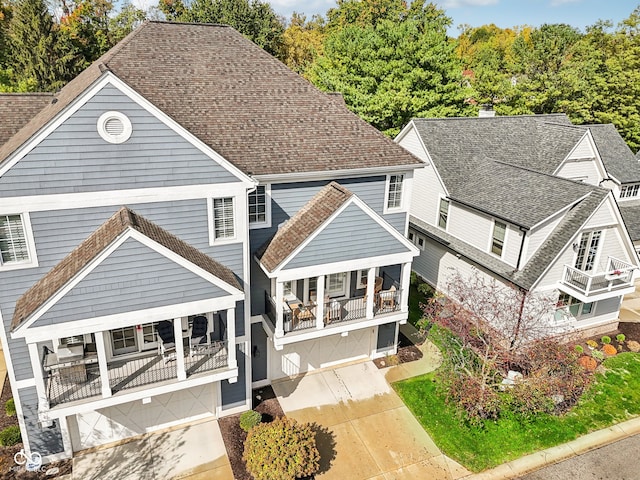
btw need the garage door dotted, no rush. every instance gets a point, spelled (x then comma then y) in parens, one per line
(321, 353)
(135, 418)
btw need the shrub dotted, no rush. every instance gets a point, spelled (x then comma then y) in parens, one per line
(606, 339)
(620, 338)
(592, 343)
(589, 363)
(579, 349)
(281, 450)
(10, 436)
(633, 346)
(10, 407)
(609, 349)
(249, 419)
(598, 355)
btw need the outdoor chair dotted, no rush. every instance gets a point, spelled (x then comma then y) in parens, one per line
(334, 312)
(167, 344)
(198, 339)
(388, 298)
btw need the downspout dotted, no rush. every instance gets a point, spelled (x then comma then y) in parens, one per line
(517, 330)
(524, 234)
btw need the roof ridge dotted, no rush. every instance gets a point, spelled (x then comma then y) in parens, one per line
(496, 117)
(549, 175)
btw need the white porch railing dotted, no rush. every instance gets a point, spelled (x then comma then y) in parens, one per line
(619, 275)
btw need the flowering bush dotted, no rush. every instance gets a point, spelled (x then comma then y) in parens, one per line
(592, 343)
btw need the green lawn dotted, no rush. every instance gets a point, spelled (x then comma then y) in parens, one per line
(612, 398)
(415, 299)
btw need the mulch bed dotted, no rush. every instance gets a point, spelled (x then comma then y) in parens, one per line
(264, 402)
(407, 352)
(630, 330)
(8, 468)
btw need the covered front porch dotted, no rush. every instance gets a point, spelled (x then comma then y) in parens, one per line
(294, 305)
(102, 364)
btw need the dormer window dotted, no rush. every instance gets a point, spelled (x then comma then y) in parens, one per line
(630, 191)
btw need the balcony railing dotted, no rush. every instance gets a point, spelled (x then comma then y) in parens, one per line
(80, 380)
(335, 311)
(619, 275)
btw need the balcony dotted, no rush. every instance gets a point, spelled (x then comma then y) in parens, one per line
(617, 278)
(72, 379)
(302, 317)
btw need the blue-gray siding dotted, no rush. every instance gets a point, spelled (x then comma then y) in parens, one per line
(258, 352)
(58, 232)
(45, 441)
(134, 277)
(74, 158)
(351, 235)
(288, 198)
(235, 393)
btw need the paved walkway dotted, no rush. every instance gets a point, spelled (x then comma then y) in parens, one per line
(367, 432)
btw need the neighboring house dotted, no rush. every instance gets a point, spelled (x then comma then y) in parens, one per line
(517, 199)
(184, 220)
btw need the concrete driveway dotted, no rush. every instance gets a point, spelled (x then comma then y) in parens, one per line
(366, 431)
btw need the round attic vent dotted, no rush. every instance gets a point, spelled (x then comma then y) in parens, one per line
(114, 127)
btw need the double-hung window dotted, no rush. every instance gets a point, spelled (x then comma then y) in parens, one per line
(443, 214)
(259, 207)
(223, 219)
(497, 241)
(14, 243)
(394, 192)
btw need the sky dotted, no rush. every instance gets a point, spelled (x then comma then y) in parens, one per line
(504, 13)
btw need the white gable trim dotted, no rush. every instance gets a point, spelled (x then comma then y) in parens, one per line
(354, 200)
(561, 211)
(85, 271)
(403, 132)
(109, 78)
(598, 159)
(626, 239)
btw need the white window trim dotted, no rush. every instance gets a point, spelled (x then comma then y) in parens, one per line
(212, 236)
(504, 241)
(359, 283)
(420, 238)
(31, 245)
(580, 316)
(267, 222)
(108, 137)
(337, 293)
(630, 186)
(403, 197)
(437, 224)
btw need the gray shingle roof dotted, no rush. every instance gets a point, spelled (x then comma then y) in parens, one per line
(502, 165)
(96, 243)
(299, 227)
(16, 109)
(616, 155)
(540, 261)
(630, 211)
(237, 99)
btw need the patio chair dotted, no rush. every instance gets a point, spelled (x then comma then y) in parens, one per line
(167, 344)
(198, 339)
(388, 298)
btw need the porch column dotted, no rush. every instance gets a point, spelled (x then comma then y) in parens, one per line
(404, 284)
(320, 302)
(177, 332)
(231, 338)
(279, 307)
(371, 290)
(43, 400)
(102, 364)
